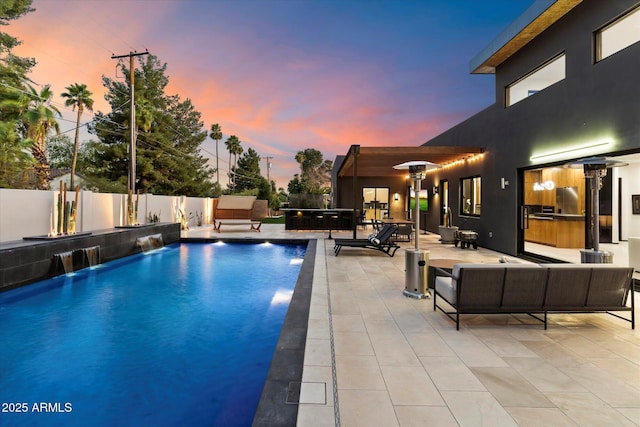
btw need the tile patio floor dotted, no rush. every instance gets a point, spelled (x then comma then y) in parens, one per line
(377, 358)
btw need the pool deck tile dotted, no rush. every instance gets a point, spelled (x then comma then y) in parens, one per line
(389, 360)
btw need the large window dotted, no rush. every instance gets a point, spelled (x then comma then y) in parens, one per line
(621, 33)
(470, 196)
(548, 74)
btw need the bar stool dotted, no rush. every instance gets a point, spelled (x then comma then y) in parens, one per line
(319, 223)
(330, 217)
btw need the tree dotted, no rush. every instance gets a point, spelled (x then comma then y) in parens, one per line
(237, 150)
(248, 177)
(14, 158)
(247, 172)
(277, 198)
(233, 146)
(14, 148)
(77, 96)
(169, 136)
(216, 135)
(39, 120)
(60, 151)
(13, 69)
(322, 176)
(308, 159)
(295, 186)
(315, 174)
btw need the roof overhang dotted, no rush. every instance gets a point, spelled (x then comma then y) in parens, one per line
(379, 161)
(540, 16)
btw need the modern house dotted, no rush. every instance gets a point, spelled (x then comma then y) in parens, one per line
(566, 88)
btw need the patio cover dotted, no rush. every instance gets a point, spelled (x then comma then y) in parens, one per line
(379, 161)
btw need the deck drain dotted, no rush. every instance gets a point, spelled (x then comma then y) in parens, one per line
(293, 393)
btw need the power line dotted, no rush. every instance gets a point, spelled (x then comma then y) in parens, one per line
(114, 37)
(176, 151)
(168, 150)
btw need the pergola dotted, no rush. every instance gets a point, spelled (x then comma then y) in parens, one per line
(379, 161)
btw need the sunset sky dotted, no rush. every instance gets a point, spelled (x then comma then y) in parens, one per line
(282, 75)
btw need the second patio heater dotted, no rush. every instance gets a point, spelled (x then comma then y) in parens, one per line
(595, 168)
(416, 261)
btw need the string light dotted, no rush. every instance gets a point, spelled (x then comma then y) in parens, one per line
(470, 159)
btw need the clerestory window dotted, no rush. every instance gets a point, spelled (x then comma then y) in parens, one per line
(619, 34)
(544, 76)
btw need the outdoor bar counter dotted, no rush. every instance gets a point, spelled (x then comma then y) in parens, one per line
(318, 219)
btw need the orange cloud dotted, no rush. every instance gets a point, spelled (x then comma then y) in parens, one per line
(276, 97)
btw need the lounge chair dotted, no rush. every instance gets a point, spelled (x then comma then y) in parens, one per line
(382, 241)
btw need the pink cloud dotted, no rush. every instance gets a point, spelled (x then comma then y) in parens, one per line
(276, 97)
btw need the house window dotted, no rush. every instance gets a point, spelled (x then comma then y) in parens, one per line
(619, 34)
(544, 76)
(470, 196)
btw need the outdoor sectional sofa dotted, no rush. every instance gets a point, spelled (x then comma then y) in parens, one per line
(534, 289)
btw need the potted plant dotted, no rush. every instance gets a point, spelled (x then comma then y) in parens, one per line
(447, 231)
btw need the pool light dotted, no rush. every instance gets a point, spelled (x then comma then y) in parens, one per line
(281, 297)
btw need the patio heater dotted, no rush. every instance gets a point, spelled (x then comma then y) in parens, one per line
(416, 260)
(595, 168)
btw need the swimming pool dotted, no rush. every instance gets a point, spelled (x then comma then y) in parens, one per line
(181, 336)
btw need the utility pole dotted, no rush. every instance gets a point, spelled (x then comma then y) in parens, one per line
(269, 180)
(131, 180)
(268, 167)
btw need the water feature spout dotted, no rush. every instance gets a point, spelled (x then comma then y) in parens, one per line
(66, 259)
(151, 242)
(92, 255)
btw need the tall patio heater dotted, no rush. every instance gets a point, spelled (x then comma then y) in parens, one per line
(416, 260)
(595, 168)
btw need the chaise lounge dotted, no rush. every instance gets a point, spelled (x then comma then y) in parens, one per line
(382, 241)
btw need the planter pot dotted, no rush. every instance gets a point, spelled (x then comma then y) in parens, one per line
(447, 234)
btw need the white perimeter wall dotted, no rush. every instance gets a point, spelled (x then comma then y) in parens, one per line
(26, 213)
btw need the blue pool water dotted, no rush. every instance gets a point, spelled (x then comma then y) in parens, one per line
(181, 336)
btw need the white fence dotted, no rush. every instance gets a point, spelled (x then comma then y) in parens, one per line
(25, 213)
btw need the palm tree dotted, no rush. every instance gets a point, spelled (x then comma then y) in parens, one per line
(237, 150)
(216, 135)
(39, 119)
(77, 96)
(232, 143)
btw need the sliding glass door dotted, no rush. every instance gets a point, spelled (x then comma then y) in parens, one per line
(375, 202)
